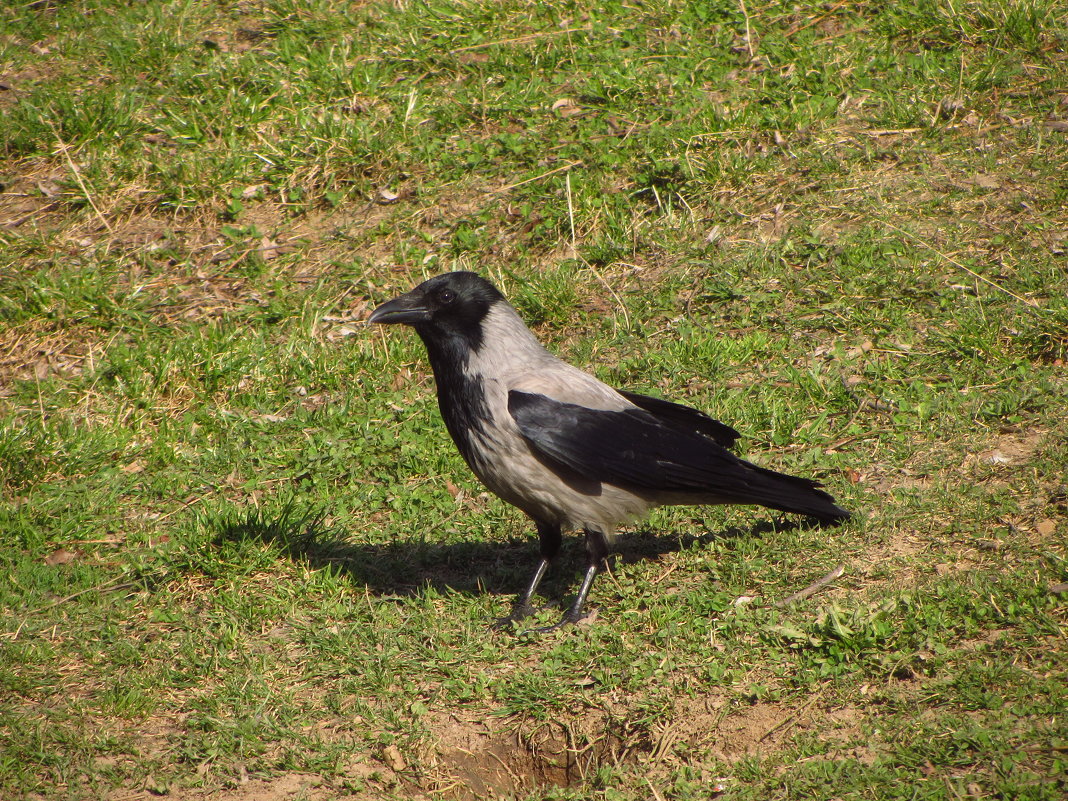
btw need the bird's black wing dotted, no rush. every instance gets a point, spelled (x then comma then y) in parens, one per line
(683, 417)
(629, 447)
(632, 448)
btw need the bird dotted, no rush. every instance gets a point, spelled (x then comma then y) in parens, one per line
(571, 452)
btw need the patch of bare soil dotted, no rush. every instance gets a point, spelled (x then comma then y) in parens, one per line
(1011, 449)
(34, 198)
(731, 732)
(303, 786)
(28, 355)
(479, 757)
(484, 757)
(997, 462)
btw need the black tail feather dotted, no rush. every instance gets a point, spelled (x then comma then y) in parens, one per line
(794, 494)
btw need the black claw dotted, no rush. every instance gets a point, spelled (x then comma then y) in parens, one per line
(570, 618)
(519, 613)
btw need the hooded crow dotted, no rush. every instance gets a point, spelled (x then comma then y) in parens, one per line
(570, 451)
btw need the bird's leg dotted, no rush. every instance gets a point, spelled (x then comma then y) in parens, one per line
(597, 552)
(549, 535)
(522, 607)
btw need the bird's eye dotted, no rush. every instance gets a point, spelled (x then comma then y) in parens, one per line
(446, 296)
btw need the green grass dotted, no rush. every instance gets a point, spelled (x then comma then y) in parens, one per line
(239, 555)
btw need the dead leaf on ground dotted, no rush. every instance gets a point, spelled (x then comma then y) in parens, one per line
(566, 107)
(860, 349)
(49, 188)
(403, 377)
(948, 107)
(60, 556)
(996, 457)
(392, 756)
(1046, 527)
(269, 249)
(589, 619)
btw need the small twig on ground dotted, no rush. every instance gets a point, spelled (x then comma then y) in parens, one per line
(611, 291)
(665, 574)
(800, 595)
(185, 504)
(748, 33)
(539, 177)
(64, 148)
(516, 779)
(530, 37)
(890, 131)
(790, 719)
(571, 215)
(653, 789)
(667, 739)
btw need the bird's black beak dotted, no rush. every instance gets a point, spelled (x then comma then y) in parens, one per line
(410, 308)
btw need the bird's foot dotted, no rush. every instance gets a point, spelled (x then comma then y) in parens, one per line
(519, 613)
(571, 617)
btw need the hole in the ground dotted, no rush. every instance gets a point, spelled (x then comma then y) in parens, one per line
(481, 758)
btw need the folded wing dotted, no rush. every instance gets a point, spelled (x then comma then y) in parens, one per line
(685, 417)
(638, 449)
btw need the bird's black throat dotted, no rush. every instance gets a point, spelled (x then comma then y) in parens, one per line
(461, 395)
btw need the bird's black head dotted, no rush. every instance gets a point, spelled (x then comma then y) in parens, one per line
(447, 306)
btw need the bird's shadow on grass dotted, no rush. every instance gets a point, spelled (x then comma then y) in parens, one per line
(405, 568)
